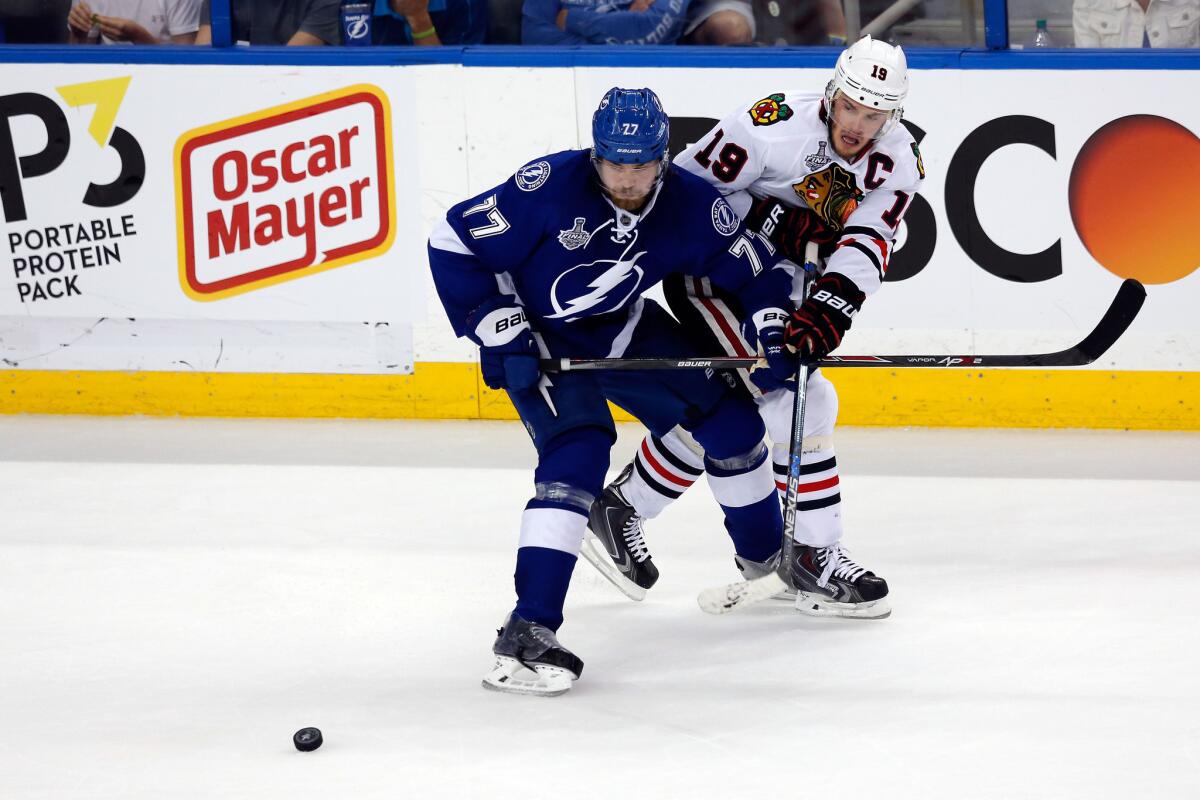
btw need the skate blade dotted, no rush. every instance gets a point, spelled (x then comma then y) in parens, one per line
(511, 676)
(816, 606)
(723, 599)
(595, 554)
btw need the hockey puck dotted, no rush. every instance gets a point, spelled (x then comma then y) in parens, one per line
(307, 739)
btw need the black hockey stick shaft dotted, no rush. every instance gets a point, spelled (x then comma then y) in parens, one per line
(796, 446)
(1116, 320)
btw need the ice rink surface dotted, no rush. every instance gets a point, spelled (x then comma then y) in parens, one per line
(177, 596)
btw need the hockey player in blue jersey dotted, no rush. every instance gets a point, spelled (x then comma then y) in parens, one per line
(554, 263)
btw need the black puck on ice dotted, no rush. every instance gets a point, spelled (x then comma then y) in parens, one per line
(307, 739)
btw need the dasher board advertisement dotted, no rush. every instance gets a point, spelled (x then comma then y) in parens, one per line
(252, 193)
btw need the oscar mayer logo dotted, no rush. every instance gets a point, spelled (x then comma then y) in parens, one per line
(284, 193)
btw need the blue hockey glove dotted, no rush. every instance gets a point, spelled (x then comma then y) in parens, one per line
(508, 356)
(781, 363)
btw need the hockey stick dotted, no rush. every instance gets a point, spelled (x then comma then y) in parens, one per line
(1112, 325)
(1125, 306)
(723, 599)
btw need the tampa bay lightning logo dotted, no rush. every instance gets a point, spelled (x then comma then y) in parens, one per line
(724, 219)
(532, 176)
(597, 287)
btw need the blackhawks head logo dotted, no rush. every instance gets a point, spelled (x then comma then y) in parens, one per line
(831, 193)
(770, 110)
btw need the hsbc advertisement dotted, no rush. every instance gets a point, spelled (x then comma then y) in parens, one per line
(1043, 190)
(218, 193)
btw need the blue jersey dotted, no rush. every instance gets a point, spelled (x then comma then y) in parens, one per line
(550, 237)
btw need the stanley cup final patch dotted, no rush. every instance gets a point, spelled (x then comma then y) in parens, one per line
(576, 237)
(814, 161)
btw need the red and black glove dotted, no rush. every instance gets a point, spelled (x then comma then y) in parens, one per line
(816, 328)
(788, 228)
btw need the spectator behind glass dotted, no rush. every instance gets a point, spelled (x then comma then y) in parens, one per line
(720, 22)
(430, 22)
(1137, 23)
(603, 21)
(134, 21)
(34, 21)
(293, 22)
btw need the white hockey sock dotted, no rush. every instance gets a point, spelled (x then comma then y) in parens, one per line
(553, 529)
(743, 487)
(663, 469)
(818, 497)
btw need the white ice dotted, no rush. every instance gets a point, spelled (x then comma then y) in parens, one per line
(177, 596)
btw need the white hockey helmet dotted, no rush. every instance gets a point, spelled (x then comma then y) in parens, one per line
(873, 73)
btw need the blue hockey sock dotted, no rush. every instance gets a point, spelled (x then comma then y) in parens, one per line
(746, 491)
(542, 578)
(756, 529)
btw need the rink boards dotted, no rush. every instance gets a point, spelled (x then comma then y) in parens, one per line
(254, 244)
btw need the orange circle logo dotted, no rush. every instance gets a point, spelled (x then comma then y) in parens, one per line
(1133, 197)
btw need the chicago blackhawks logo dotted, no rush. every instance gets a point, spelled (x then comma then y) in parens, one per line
(920, 163)
(770, 109)
(831, 193)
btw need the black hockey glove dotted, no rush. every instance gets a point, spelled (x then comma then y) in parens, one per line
(816, 328)
(788, 228)
(508, 356)
(779, 371)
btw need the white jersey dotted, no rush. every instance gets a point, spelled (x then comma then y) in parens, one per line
(162, 18)
(779, 147)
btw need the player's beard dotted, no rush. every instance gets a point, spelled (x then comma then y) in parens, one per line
(846, 143)
(628, 199)
(629, 196)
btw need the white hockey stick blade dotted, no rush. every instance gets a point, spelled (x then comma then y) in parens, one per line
(595, 554)
(510, 675)
(723, 599)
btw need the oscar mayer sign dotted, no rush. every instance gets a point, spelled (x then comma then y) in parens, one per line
(284, 192)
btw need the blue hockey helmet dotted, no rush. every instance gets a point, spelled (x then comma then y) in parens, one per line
(629, 127)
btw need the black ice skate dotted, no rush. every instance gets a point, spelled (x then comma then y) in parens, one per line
(529, 660)
(616, 545)
(830, 584)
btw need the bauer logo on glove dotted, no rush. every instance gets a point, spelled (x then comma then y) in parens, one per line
(816, 328)
(837, 303)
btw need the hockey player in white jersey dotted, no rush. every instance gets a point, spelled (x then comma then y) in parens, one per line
(835, 169)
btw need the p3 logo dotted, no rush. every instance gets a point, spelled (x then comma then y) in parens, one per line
(21, 160)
